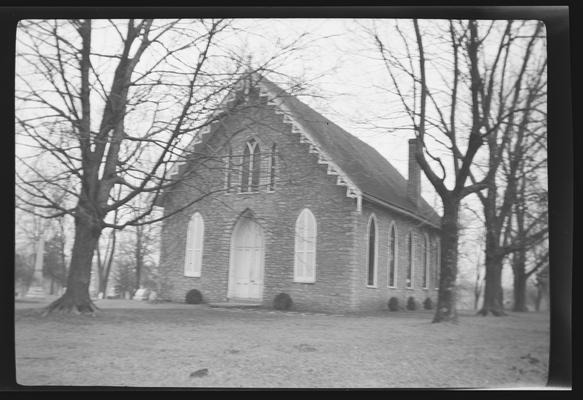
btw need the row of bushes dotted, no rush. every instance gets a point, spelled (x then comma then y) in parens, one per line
(412, 305)
(283, 301)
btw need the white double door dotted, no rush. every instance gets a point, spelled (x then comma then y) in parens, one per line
(247, 254)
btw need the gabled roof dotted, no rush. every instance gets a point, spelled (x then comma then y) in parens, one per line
(370, 172)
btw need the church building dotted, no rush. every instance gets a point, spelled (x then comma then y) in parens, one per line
(274, 198)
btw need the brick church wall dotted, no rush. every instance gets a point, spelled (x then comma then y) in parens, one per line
(301, 182)
(371, 298)
(341, 254)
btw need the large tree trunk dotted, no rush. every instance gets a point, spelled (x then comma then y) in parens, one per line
(520, 293)
(103, 281)
(76, 298)
(446, 301)
(493, 295)
(520, 279)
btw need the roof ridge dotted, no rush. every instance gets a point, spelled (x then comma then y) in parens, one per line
(352, 166)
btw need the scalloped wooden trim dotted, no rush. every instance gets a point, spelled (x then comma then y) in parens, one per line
(352, 191)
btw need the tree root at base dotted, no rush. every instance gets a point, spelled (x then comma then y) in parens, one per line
(68, 305)
(495, 312)
(445, 317)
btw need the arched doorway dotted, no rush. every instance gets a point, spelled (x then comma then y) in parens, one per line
(246, 266)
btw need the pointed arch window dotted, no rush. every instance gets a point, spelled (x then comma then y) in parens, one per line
(251, 168)
(272, 167)
(305, 247)
(392, 273)
(371, 277)
(229, 171)
(194, 245)
(245, 166)
(410, 261)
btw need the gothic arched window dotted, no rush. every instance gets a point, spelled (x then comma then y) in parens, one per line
(305, 247)
(251, 168)
(425, 263)
(194, 243)
(272, 167)
(371, 278)
(410, 261)
(392, 275)
(229, 171)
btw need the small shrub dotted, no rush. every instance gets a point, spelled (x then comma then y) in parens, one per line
(428, 304)
(393, 304)
(282, 301)
(193, 297)
(411, 304)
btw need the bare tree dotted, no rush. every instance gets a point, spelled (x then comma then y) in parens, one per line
(103, 103)
(520, 95)
(530, 234)
(105, 263)
(144, 247)
(54, 265)
(451, 116)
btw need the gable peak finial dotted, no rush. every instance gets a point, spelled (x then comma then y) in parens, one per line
(248, 75)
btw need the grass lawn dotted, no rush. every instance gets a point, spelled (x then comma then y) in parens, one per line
(170, 345)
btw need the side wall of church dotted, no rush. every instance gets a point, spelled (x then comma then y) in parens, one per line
(376, 296)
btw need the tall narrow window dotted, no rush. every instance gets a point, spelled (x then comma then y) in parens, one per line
(255, 166)
(410, 256)
(245, 168)
(305, 247)
(372, 253)
(392, 256)
(425, 263)
(251, 168)
(194, 242)
(272, 167)
(229, 172)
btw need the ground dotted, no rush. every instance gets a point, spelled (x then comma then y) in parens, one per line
(133, 343)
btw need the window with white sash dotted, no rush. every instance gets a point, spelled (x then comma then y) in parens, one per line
(372, 250)
(251, 168)
(272, 167)
(410, 261)
(194, 242)
(305, 248)
(392, 274)
(425, 258)
(229, 171)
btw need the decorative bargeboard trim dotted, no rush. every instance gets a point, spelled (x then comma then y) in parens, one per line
(352, 191)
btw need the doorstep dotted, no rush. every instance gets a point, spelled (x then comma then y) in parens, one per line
(236, 303)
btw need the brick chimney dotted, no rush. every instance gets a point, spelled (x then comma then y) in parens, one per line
(414, 182)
